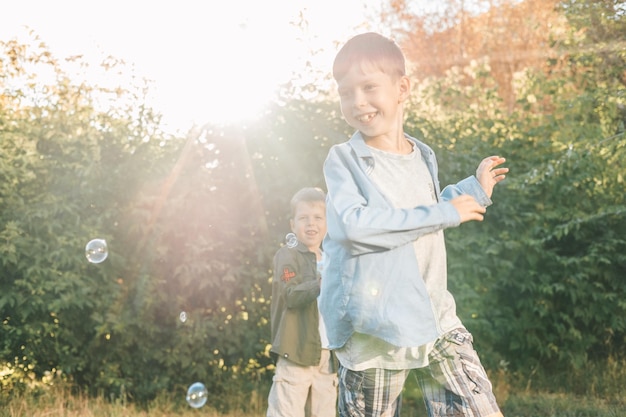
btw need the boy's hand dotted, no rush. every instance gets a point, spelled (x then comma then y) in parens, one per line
(468, 208)
(489, 175)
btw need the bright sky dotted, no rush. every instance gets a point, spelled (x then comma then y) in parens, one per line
(209, 60)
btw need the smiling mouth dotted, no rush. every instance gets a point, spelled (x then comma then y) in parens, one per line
(365, 118)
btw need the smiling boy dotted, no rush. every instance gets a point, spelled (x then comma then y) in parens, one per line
(305, 366)
(384, 298)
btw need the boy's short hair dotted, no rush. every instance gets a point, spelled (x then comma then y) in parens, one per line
(373, 49)
(308, 195)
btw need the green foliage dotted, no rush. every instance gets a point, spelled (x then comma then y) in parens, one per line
(192, 223)
(542, 286)
(288, 148)
(184, 229)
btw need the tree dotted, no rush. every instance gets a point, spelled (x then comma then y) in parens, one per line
(192, 223)
(541, 284)
(181, 218)
(510, 35)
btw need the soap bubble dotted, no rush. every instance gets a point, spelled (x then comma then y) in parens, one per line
(96, 251)
(183, 316)
(197, 395)
(292, 240)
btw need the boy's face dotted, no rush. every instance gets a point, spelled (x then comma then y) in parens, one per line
(371, 101)
(309, 223)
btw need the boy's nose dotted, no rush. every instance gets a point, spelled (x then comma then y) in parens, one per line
(359, 99)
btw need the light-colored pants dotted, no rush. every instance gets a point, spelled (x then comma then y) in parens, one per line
(294, 384)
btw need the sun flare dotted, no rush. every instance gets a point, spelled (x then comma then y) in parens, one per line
(205, 64)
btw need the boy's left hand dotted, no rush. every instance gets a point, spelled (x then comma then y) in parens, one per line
(489, 174)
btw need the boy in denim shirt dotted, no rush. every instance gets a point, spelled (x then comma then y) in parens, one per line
(384, 298)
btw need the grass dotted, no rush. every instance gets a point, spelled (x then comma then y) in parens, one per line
(595, 391)
(59, 402)
(562, 405)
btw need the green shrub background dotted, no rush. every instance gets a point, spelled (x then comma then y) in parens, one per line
(192, 223)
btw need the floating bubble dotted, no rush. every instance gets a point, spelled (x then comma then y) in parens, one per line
(183, 316)
(197, 395)
(96, 251)
(292, 240)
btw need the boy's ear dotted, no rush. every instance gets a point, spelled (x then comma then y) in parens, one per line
(404, 86)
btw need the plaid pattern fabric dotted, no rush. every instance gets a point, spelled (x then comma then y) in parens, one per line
(373, 392)
(454, 384)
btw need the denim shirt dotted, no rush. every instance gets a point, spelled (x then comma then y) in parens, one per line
(372, 283)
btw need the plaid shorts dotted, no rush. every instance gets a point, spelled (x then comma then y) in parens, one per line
(454, 384)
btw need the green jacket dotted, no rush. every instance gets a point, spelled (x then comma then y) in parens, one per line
(294, 316)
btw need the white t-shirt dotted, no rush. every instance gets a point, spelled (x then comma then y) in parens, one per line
(323, 335)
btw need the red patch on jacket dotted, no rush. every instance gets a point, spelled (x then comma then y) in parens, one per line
(287, 274)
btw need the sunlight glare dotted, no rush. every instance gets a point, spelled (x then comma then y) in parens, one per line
(205, 64)
(235, 72)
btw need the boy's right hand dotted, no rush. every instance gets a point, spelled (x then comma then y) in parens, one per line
(468, 208)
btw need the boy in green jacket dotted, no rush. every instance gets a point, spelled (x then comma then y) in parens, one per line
(304, 367)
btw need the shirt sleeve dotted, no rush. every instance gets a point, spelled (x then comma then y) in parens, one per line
(298, 286)
(469, 185)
